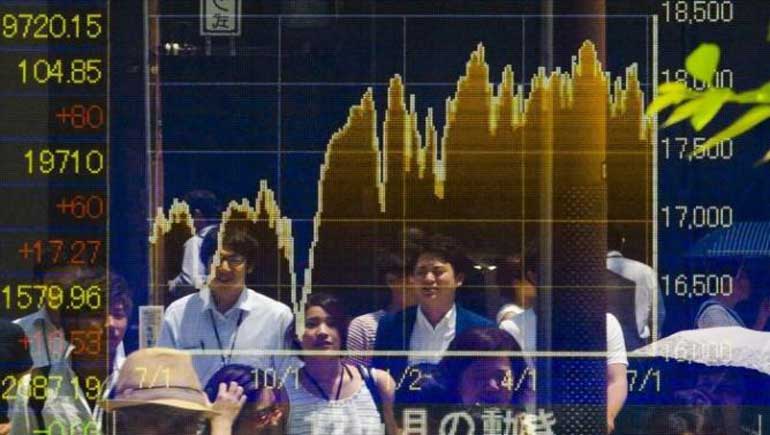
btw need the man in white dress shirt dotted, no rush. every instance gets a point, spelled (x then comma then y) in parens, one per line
(646, 287)
(45, 336)
(226, 317)
(519, 273)
(78, 377)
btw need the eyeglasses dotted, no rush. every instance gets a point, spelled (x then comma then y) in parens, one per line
(233, 260)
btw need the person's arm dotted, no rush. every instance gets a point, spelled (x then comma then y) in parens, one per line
(230, 400)
(617, 361)
(617, 391)
(655, 290)
(387, 388)
(762, 315)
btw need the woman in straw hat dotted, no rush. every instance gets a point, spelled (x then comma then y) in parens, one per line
(158, 393)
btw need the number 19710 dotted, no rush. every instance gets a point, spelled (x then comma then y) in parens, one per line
(64, 161)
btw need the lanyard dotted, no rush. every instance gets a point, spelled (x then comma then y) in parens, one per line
(321, 390)
(45, 342)
(219, 340)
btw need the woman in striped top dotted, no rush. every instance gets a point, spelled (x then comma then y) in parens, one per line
(394, 267)
(333, 397)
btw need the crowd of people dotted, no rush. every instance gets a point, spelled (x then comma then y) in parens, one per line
(231, 360)
(238, 343)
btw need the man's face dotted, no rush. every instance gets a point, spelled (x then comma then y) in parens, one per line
(231, 272)
(117, 323)
(526, 290)
(435, 281)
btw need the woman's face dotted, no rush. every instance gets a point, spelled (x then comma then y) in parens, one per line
(321, 330)
(487, 381)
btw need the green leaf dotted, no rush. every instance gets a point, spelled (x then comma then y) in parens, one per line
(703, 62)
(670, 87)
(758, 95)
(684, 111)
(747, 97)
(712, 102)
(663, 101)
(745, 123)
(763, 160)
(763, 95)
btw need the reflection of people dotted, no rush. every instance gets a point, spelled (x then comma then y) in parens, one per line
(47, 344)
(718, 396)
(720, 310)
(204, 208)
(726, 390)
(227, 316)
(512, 273)
(74, 382)
(14, 361)
(158, 393)
(646, 286)
(679, 421)
(523, 327)
(431, 326)
(260, 413)
(363, 329)
(333, 396)
(493, 380)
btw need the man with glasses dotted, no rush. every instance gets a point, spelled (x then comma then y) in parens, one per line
(225, 316)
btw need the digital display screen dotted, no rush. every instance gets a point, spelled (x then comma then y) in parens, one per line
(366, 217)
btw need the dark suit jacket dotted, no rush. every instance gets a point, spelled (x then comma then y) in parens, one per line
(395, 330)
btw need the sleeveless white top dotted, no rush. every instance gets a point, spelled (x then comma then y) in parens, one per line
(312, 415)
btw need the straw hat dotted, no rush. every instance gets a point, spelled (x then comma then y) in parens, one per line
(159, 376)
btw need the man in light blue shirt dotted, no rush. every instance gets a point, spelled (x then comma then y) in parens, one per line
(225, 316)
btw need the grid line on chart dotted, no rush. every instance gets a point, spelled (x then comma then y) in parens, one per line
(397, 152)
(525, 84)
(279, 172)
(479, 221)
(457, 16)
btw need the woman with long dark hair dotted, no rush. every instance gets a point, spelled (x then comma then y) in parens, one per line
(330, 395)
